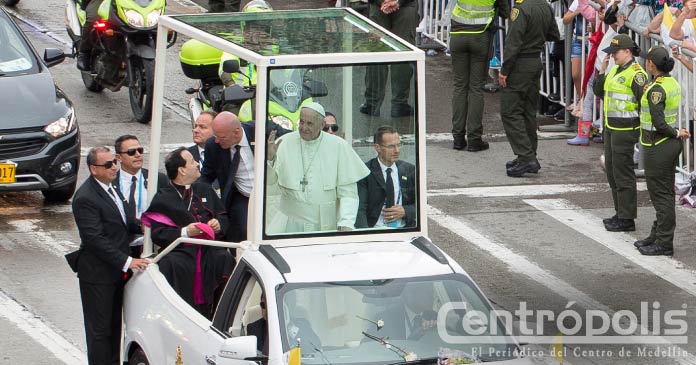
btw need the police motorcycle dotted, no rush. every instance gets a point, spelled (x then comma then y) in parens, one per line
(123, 52)
(290, 89)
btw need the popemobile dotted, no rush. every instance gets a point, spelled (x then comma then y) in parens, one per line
(321, 279)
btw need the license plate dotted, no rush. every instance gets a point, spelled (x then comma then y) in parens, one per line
(7, 172)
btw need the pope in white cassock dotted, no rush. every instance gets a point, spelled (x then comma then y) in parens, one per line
(316, 174)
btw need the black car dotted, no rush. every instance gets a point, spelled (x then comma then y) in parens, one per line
(39, 137)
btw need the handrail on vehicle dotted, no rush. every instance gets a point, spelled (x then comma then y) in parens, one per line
(243, 245)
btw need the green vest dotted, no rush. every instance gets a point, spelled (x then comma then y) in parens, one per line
(673, 90)
(619, 101)
(474, 12)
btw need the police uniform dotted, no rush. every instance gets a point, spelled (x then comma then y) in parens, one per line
(471, 34)
(621, 89)
(531, 25)
(659, 136)
(403, 23)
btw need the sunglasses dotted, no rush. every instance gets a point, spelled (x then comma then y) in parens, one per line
(132, 151)
(108, 164)
(333, 127)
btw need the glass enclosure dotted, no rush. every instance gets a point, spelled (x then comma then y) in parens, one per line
(379, 321)
(329, 174)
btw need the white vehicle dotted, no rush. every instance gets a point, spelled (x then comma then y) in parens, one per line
(372, 295)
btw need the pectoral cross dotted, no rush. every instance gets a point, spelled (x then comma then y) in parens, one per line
(304, 183)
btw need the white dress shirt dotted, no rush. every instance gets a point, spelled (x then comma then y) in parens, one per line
(397, 194)
(119, 204)
(244, 180)
(125, 182)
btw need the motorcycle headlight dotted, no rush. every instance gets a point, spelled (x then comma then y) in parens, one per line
(134, 19)
(153, 17)
(62, 126)
(282, 121)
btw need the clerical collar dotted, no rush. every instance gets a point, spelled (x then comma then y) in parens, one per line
(181, 188)
(312, 142)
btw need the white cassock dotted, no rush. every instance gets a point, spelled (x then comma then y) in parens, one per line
(319, 191)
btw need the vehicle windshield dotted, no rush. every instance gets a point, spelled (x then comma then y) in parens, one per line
(344, 158)
(15, 56)
(382, 321)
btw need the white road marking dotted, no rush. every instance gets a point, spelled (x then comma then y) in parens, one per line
(621, 243)
(520, 264)
(447, 137)
(525, 190)
(32, 325)
(41, 238)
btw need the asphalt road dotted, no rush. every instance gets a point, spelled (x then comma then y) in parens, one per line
(536, 240)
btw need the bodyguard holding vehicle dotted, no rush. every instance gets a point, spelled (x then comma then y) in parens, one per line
(660, 136)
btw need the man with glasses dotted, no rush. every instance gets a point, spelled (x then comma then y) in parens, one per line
(103, 258)
(131, 179)
(316, 174)
(331, 124)
(388, 193)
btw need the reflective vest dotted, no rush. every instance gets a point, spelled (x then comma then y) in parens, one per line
(673, 91)
(619, 101)
(238, 78)
(474, 12)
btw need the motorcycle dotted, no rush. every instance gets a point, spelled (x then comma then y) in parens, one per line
(289, 89)
(123, 53)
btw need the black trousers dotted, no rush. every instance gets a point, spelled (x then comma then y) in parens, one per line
(102, 306)
(237, 213)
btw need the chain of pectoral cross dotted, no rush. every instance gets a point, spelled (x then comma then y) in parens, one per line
(304, 181)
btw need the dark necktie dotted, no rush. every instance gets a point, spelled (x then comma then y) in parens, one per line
(131, 197)
(235, 161)
(390, 189)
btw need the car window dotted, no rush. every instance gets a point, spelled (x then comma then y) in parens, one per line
(15, 55)
(248, 309)
(382, 321)
(340, 162)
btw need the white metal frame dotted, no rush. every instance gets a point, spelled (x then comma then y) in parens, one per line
(263, 63)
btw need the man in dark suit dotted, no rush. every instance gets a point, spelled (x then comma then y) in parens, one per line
(412, 317)
(259, 328)
(103, 256)
(202, 131)
(229, 158)
(388, 193)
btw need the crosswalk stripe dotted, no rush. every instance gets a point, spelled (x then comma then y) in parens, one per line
(520, 264)
(32, 325)
(621, 243)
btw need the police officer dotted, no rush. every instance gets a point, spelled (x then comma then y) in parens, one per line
(471, 35)
(531, 25)
(401, 18)
(660, 137)
(221, 6)
(621, 89)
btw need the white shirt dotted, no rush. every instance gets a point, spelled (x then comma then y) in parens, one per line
(201, 152)
(244, 180)
(125, 182)
(119, 204)
(573, 6)
(397, 194)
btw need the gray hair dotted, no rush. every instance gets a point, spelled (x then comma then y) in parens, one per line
(92, 154)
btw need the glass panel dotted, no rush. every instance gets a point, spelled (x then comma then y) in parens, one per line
(15, 56)
(297, 32)
(329, 174)
(346, 322)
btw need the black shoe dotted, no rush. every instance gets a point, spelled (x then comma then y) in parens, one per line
(83, 59)
(459, 143)
(477, 146)
(401, 110)
(610, 220)
(644, 242)
(368, 109)
(511, 163)
(554, 97)
(560, 115)
(552, 109)
(522, 167)
(621, 225)
(656, 250)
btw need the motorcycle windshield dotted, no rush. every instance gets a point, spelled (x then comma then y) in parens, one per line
(143, 3)
(286, 88)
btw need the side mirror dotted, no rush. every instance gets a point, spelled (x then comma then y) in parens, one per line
(315, 88)
(236, 94)
(230, 66)
(238, 348)
(53, 56)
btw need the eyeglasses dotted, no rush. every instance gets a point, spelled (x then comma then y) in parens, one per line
(108, 164)
(333, 127)
(132, 151)
(392, 146)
